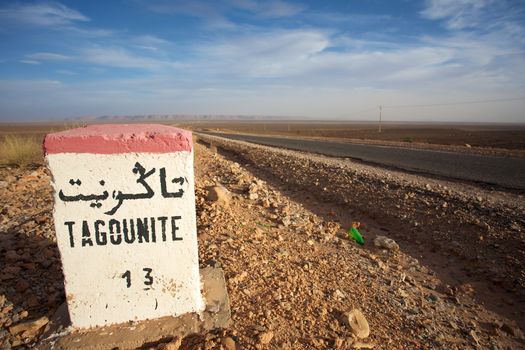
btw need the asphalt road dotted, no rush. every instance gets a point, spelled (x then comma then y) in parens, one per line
(506, 172)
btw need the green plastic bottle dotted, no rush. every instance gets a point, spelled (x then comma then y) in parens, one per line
(354, 234)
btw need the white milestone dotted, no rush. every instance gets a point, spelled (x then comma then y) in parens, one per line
(125, 222)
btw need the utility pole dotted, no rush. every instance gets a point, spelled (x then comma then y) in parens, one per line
(380, 115)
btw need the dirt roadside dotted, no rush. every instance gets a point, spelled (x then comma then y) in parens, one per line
(467, 242)
(292, 275)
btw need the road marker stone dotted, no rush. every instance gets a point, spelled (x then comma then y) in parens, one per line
(125, 222)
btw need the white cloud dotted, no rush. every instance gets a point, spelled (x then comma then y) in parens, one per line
(482, 16)
(150, 42)
(30, 62)
(41, 14)
(148, 39)
(210, 11)
(320, 70)
(266, 54)
(457, 13)
(269, 8)
(148, 48)
(353, 18)
(95, 33)
(461, 62)
(121, 57)
(300, 56)
(48, 56)
(52, 15)
(216, 13)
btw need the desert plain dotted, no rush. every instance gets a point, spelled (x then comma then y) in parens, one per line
(452, 279)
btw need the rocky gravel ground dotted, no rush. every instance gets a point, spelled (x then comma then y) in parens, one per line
(31, 277)
(276, 222)
(456, 282)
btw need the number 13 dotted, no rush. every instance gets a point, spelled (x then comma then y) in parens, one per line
(148, 279)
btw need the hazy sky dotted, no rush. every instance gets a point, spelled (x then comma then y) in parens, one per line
(321, 59)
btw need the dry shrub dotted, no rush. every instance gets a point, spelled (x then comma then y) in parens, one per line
(20, 150)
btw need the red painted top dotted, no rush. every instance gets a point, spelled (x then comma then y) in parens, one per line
(119, 138)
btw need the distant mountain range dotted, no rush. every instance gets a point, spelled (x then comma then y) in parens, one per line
(173, 117)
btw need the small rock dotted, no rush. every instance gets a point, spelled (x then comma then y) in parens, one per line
(218, 194)
(338, 294)
(253, 188)
(12, 255)
(474, 337)
(238, 278)
(7, 308)
(48, 253)
(30, 328)
(266, 337)
(468, 145)
(514, 331)
(358, 324)
(432, 298)
(386, 243)
(213, 306)
(32, 301)
(286, 221)
(466, 288)
(253, 196)
(172, 345)
(15, 343)
(361, 345)
(228, 343)
(22, 286)
(258, 328)
(41, 219)
(413, 311)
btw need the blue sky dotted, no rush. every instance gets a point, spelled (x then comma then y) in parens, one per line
(317, 59)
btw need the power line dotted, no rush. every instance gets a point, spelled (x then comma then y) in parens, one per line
(456, 103)
(362, 111)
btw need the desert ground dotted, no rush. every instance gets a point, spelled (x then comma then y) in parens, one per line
(506, 136)
(452, 279)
